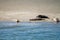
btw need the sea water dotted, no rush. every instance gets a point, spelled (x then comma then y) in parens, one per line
(29, 31)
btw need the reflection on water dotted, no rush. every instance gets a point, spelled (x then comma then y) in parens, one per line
(29, 31)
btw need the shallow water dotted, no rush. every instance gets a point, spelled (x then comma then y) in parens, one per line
(29, 31)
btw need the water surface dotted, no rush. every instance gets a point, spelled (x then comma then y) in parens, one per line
(29, 31)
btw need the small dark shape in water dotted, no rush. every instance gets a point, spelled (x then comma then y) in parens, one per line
(42, 16)
(17, 21)
(36, 19)
(57, 20)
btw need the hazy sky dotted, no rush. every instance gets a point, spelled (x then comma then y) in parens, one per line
(25, 9)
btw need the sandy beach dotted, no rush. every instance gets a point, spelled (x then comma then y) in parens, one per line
(26, 9)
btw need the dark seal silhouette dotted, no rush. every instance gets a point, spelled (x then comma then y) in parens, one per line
(57, 20)
(17, 21)
(42, 16)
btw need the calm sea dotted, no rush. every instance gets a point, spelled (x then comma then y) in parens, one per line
(29, 31)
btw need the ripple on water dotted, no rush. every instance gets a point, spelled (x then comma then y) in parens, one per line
(30, 31)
